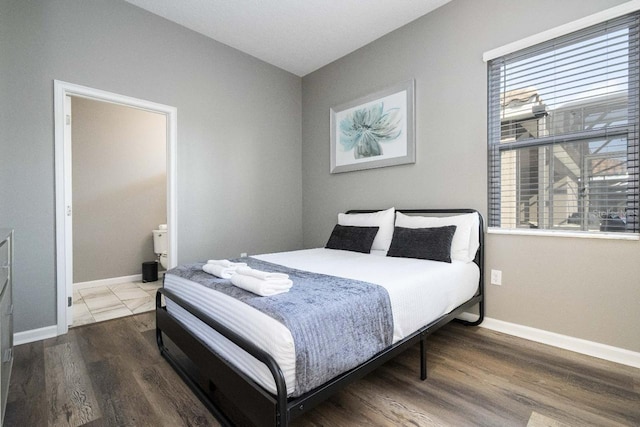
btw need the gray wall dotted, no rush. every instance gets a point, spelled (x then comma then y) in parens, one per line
(119, 187)
(239, 130)
(588, 289)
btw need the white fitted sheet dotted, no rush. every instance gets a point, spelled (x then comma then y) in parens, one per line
(420, 292)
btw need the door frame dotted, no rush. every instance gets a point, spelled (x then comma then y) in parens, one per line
(63, 189)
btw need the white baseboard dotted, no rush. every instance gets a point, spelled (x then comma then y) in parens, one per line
(590, 348)
(107, 282)
(35, 335)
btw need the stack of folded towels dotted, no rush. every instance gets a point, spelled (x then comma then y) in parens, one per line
(222, 267)
(259, 282)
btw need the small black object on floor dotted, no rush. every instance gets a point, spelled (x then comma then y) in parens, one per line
(149, 271)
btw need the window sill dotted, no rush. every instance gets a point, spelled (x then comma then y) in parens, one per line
(553, 233)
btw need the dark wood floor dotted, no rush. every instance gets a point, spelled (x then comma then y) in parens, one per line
(110, 374)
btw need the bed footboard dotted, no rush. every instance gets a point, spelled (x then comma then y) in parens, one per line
(257, 405)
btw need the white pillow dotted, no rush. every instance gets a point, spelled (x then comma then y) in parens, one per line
(466, 239)
(382, 219)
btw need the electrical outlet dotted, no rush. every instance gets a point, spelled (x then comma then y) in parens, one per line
(496, 277)
(243, 255)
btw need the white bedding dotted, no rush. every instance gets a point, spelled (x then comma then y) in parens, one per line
(420, 291)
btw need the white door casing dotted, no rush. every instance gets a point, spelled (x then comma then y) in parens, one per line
(63, 185)
(68, 208)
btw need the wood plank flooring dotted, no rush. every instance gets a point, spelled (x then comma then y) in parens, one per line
(111, 374)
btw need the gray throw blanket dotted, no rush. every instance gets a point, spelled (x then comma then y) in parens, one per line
(336, 324)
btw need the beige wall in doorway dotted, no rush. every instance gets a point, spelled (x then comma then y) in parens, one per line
(119, 187)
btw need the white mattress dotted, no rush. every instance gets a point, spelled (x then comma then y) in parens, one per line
(420, 292)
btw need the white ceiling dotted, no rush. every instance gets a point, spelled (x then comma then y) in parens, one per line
(299, 36)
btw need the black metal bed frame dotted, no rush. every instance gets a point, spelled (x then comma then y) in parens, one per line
(218, 381)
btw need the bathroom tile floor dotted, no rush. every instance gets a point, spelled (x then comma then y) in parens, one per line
(100, 303)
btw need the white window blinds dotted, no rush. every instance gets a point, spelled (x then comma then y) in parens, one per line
(563, 132)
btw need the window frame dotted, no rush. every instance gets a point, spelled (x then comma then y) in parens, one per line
(494, 148)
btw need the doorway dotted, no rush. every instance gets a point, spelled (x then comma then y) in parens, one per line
(63, 93)
(119, 192)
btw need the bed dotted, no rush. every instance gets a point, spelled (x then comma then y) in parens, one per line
(243, 363)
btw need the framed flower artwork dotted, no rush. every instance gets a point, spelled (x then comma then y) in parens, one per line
(374, 131)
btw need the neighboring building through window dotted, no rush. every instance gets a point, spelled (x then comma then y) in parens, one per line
(563, 132)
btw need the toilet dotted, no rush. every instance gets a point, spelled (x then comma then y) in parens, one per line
(160, 244)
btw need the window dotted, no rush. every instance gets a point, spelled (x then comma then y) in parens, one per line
(563, 132)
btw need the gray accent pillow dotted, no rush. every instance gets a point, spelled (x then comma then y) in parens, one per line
(423, 243)
(349, 238)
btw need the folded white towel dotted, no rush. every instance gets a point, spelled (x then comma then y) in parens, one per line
(219, 271)
(261, 287)
(222, 268)
(262, 275)
(226, 263)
